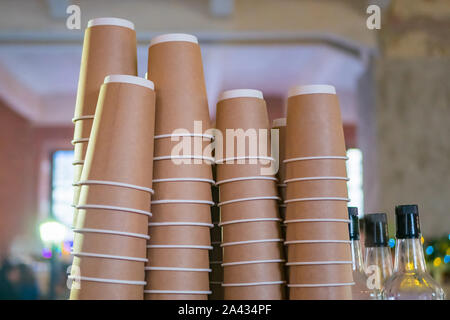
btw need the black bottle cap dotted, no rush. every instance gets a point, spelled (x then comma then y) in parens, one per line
(407, 221)
(376, 233)
(353, 226)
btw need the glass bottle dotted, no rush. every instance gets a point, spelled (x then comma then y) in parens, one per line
(410, 280)
(378, 254)
(359, 290)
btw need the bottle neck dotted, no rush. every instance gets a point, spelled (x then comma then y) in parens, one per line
(357, 259)
(379, 263)
(409, 256)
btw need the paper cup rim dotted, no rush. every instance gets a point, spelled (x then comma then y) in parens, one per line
(126, 78)
(279, 122)
(311, 89)
(110, 21)
(318, 285)
(241, 93)
(172, 37)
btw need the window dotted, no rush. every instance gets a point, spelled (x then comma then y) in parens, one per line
(355, 185)
(62, 190)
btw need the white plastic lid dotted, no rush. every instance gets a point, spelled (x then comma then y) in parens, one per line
(310, 89)
(241, 93)
(280, 122)
(125, 78)
(111, 22)
(173, 37)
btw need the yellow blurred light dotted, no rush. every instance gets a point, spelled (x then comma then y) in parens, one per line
(437, 262)
(422, 240)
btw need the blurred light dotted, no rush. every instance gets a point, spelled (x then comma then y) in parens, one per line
(391, 242)
(447, 252)
(66, 247)
(52, 231)
(449, 236)
(46, 253)
(422, 240)
(447, 259)
(437, 262)
(429, 250)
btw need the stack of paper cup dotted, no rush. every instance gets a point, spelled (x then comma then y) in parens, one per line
(251, 239)
(116, 185)
(178, 250)
(109, 48)
(319, 256)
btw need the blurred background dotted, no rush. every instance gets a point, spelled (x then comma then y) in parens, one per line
(393, 85)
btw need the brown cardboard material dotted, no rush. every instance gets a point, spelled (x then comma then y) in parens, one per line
(232, 170)
(173, 296)
(183, 190)
(109, 244)
(83, 128)
(317, 189)
(253, 251)
(310, 252)
(177, 71)
(321, 274)
(90, 290)
(321, 293)
(316, 168)
(103, 268)
(125, 114)
(281, 175)
(189, 146)
(249, 209)
(317, 231)
(245, 231)
(177, 280)
(167, 169)
(316, 209)
(181, 212)
(80, 151)
(178, 257)
(183, 235)
(247, 189)
(77, 173)
(314, 126)
(263, 292)
(255, 272)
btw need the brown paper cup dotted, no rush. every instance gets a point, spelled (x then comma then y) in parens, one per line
(175, 65)
(181, 212)
(310, 252)
(317, 231)
(264, 292)
(125, 113)
(247, 189)
(80, 151)
(316, 209)
(251, 231)
(178, 257)
(167, 169)
(83, 127)
(256, 272)
(179, 235)
(321, 274)
(249, 210)
(253, 251)
(234, 170)
(109, 244)
(172, 296)
(177, 280)
(183, 190)
(282, 148)
(181, 146)
(109, 48)
(321, 293)
(314, 126)
(316, 168)
(317, 189)
(77, 172)
(90, 290)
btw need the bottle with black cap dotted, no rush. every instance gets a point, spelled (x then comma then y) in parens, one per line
(410, 280)
(378, 254)
(360, 291)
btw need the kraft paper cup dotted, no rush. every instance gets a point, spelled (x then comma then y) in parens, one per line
(109, 244)
(186, 145)
(80, 151)
(316, 168)
(92, 290)
(182, 190)
(109, 48)
(77, 173)
(173, 296)
(280, 124)
(249, 210)
(314, 123)
(236, 170)
(125, 113)
(167, 169)
(247, 189)
(256, 272)
(178, 257)
(319, 252)
(251, 231)
(321, 274)
(181, 212)
(253, 251)
(321, 293)
(175, 66)
(83, 128)
(179, 235)
(177, 280)
(327, 209)
(317, 231)
(317, 189)
(263, 292)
